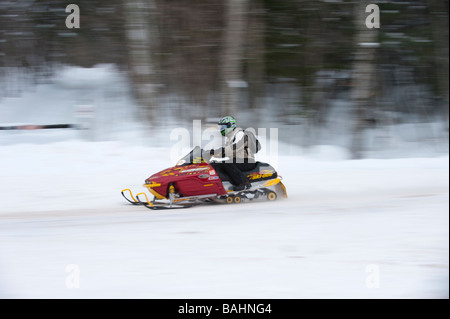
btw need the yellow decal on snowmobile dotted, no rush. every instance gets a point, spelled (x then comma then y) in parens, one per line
(272, 182)
(152, 191)
(197, 160)
(152, 184)
(258, 176)
(284, 190)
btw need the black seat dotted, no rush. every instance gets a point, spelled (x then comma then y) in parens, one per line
(258, 167)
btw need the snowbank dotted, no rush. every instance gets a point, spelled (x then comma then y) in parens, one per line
(99, 76)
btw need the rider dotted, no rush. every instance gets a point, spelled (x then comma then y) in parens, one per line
(240, 148)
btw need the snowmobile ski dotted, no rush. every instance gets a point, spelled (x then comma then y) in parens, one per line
(156, 206)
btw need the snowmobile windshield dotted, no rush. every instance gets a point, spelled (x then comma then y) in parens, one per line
(195, 156)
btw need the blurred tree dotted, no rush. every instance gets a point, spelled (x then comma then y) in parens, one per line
(189, 55)
(232, 78)
(141, 33)
(439, 12)
(255, 53)
(364, 74)
(208, 56)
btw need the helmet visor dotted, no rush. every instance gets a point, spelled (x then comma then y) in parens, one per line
(223, 128)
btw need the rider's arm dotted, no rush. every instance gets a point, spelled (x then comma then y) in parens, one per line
(231, 148)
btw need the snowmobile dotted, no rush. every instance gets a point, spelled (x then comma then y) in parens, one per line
(196, 179)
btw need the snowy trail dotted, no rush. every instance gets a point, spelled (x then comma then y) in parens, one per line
(350, 229)
(265, 250)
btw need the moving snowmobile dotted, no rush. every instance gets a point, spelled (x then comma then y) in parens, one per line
(194, 180)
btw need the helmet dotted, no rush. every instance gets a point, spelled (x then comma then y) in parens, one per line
(227, 124)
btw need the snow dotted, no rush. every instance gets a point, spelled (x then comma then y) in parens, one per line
(344, 222)
(102, 75)
(371, 228)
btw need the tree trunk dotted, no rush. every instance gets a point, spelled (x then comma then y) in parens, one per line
(313, 93)
(255, 49)
(233, 51)
(439, 15)
(141, 41)
(363, 77)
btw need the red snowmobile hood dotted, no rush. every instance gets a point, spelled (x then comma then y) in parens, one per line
(182, 171)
